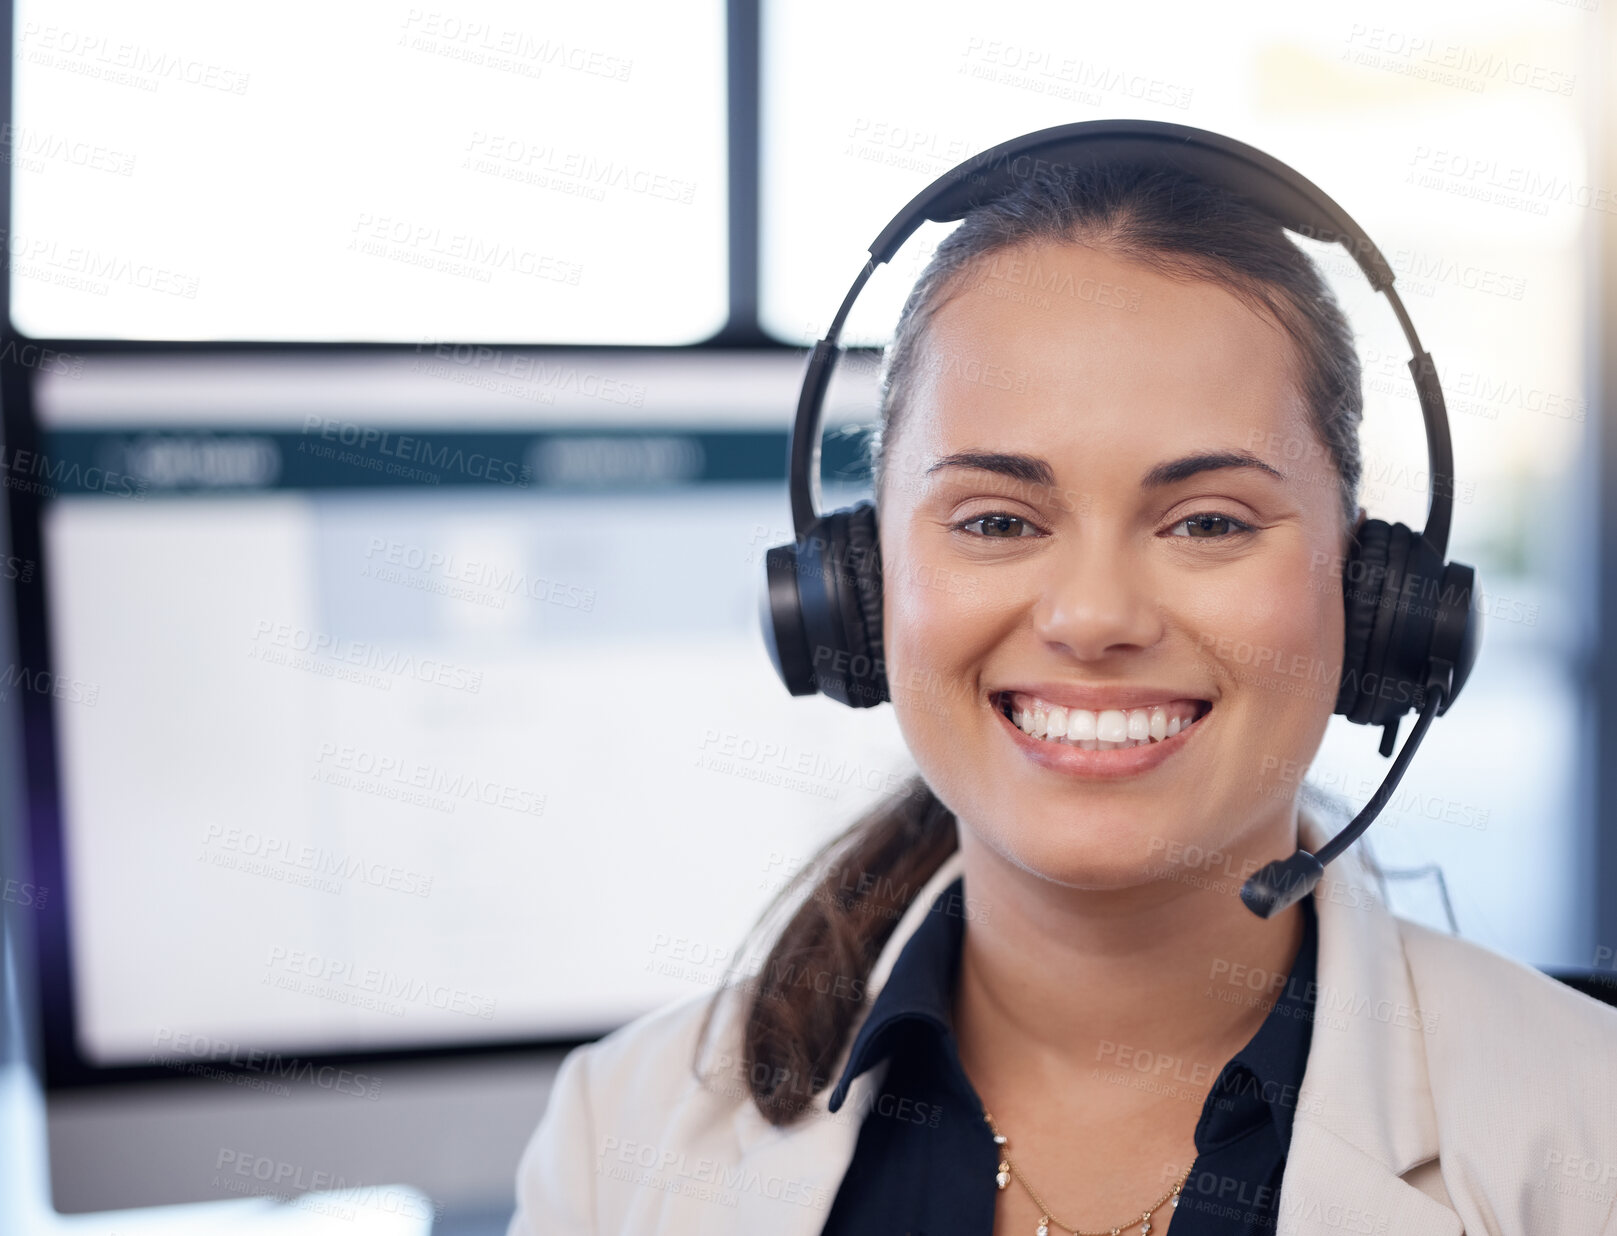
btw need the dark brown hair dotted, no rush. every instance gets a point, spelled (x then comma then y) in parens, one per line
(1180, 226)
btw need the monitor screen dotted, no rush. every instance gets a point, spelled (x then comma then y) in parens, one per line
(415, 722)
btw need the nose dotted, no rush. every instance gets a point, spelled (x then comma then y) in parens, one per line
(1098, 599)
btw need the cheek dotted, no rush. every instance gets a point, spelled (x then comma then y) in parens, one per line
(938, 623)
(1276, 646)
(1279, 618)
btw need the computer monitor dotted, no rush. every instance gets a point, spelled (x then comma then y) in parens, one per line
(394, 721)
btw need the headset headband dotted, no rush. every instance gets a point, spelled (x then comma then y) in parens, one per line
(1283, 194)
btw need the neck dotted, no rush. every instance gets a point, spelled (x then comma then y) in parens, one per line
(1057, 982)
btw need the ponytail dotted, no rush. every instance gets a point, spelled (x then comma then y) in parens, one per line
(803, 1002)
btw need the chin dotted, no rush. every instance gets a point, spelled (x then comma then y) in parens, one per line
(1094, 849)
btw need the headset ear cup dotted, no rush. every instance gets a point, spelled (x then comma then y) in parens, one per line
(1457, 630)
(820, 603)
(849, 671)
(835, 560)
(864, 561)
(1407, 661)
(780, 614)
(1385, 689)
(1363, 575)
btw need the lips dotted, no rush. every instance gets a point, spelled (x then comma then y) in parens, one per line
(1088, 756)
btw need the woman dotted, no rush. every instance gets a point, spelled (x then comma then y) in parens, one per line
(1119, 424)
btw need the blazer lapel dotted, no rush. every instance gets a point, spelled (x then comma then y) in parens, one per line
(1331, 1187)
(1364, 1110)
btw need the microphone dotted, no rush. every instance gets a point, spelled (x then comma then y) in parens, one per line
(1277, 885)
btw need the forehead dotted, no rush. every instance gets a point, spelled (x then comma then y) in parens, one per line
(1060, 347)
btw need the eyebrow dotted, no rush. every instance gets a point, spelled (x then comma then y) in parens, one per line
(1032, 470)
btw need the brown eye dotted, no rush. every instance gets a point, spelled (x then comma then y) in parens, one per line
(997, 525)
(1210, 525)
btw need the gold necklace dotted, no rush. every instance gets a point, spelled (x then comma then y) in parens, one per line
(1007, 1170)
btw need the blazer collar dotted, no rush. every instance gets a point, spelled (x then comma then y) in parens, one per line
(1364, 1110)
(1369, 1043)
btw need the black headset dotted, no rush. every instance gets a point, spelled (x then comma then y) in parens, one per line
(1411, 631)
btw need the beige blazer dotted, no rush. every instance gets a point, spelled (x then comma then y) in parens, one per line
(1448, 1090)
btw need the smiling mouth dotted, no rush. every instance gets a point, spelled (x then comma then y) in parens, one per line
(1110, 729)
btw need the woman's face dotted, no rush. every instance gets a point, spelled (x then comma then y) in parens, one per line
(1095, 567)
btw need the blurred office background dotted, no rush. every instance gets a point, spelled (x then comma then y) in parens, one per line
(395, 406)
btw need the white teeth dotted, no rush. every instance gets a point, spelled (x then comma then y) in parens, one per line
(1056, 722)
(1109, 730)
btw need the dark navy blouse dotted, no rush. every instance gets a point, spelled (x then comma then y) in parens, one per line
(925, 1160)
